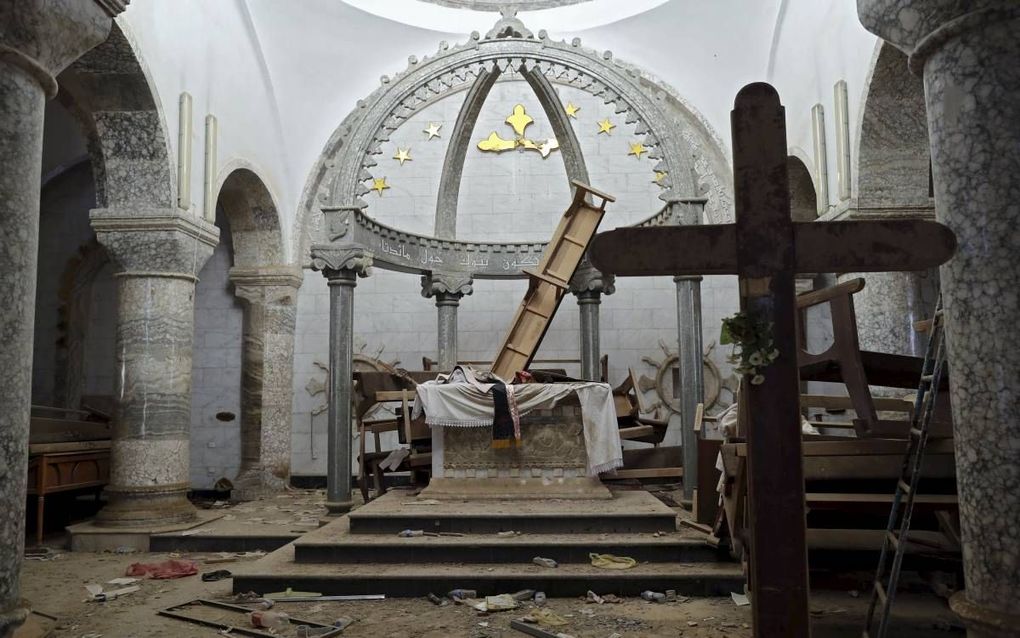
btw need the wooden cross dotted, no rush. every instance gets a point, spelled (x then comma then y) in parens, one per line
(766, 249)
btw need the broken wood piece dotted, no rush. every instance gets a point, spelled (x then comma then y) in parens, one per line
(179, 612)
(537, 632)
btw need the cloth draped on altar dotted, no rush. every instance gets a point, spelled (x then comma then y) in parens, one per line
(471, 405)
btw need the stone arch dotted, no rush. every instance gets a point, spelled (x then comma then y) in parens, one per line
(893, 157)
(893, 181)
(254, 218)
(678, 138)
(803, 200)
(109, 91)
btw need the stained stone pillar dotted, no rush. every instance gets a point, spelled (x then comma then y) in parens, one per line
(37, 41)
(969, 55)
(447, 291)
(341, 265)
(269, 295)
(588, 285)
(158, 254)
(689, 360)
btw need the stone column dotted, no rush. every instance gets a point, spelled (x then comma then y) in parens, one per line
(969, 55)
(37, 41)
(341, 265)
(588, 285)
(448, 290)
(158, 253)
(269, 295)
(689, 361)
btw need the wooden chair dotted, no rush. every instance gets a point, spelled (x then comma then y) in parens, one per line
(844, 362)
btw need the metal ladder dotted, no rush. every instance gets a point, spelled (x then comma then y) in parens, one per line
(906, 487)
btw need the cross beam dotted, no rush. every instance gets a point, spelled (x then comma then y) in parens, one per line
(766, 249)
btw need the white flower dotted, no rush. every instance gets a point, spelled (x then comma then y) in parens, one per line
(758, 379)
(756, 359)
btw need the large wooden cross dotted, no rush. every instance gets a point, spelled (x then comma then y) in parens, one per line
(766, 250)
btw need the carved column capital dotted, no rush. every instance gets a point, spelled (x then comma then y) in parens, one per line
(920, 28)
(341, 261)
(587, 280)
(164, 242)
(266, 284)
(444, 286)
(43, 38)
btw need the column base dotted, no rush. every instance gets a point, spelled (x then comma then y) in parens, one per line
(338, 508)
(14, 617)
(982, 622)
(146, 506)
(255, 482)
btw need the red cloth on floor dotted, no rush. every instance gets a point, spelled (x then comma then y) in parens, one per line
(166, 569)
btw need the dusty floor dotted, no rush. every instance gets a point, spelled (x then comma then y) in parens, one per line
(56, 587)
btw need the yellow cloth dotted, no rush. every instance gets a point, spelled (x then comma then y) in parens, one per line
(608, 561)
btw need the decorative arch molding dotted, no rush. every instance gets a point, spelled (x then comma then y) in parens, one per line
(109, 92)
(678, 138)
(253, 215)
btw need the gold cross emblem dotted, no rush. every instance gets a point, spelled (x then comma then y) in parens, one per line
(519, 120)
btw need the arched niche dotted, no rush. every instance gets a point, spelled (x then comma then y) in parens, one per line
(680, 143)
(894, 158)
(254, 219)
(803, 200)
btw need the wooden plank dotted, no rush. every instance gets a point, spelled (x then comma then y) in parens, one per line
(636, 432)
(871, 540)
(825, 499)
(68, 446)
(548, 283)
(44, 430)
(815, 297)
(835, 402)
(652, 472)
(831, 468)
(860, 447)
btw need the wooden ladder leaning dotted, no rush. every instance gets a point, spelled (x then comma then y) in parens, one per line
(548, 282)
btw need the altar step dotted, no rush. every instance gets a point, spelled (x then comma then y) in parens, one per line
(278, 571)
(627, 512)
(336, 544)
(362, 552)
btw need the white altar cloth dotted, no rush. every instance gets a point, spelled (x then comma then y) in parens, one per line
(471, 405)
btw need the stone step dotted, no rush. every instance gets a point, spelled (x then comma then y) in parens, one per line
(335, 544)
(626, 512)
(278, 571)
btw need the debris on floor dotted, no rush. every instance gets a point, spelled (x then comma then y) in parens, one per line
(96, 593)
(609, 561)
(166, 569)
(544, 562)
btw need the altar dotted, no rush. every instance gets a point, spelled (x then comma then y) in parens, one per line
(565, 436)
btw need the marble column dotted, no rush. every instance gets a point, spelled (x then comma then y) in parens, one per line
(689, 360)
(341, 265)
(269, 295)
(969, 55)
(158, 254)
(588, 285)
(447, 290)
(37, 41)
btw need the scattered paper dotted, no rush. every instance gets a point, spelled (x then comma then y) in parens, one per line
(123, 580)
(740, 600)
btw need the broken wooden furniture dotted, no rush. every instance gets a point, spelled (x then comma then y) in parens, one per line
(848, 489)
(549, 281)
(633, 413)
(68, 450)
(374, 392)
(844, 362)
(552, 365)
(765, 248)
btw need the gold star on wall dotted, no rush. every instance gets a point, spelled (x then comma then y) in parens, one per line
(636, 149)
(403, 155)
(572, 110)
(433, 130)
(659, 176)
(605, 126)
(379, 185)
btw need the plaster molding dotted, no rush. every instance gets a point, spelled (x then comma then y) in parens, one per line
(440, 285)
(113, 8)
(588, 280)
(265, 277)
(332, 260)
(155, 220)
